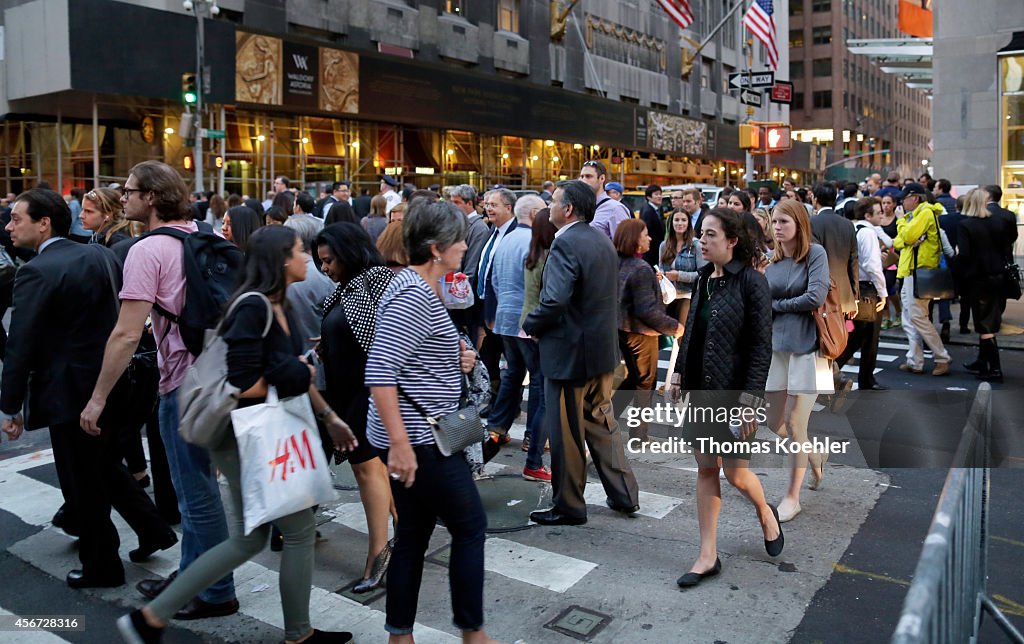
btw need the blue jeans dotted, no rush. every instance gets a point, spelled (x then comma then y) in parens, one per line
(522, 356)
(444, 489)
(203, 524)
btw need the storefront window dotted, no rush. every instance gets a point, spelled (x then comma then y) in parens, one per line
(1011, 75)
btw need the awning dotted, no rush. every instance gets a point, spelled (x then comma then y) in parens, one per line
(908, 59)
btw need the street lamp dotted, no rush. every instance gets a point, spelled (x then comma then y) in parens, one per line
(199, 8)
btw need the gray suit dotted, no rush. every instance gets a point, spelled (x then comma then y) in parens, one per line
(577, 325)
(839, 239)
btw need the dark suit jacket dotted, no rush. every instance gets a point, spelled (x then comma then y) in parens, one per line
(577, 319)
(1009, 221)
(361, 205)
(839, 238)
(318, 209)
(700, 222)
(64, 311)
(656, 230)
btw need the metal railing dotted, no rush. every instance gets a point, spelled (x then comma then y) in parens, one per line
(948, 598)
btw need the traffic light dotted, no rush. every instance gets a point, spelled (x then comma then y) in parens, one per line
(777, 138)
(189, 88)
(187, 162)
(215, 161)
(750, 136)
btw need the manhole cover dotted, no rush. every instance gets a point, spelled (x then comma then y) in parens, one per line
(579, 623)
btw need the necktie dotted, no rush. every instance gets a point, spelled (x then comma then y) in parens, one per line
(481, 275)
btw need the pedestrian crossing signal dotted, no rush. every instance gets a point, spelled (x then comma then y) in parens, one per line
(188, 162)
(778, 138)
(215, 161)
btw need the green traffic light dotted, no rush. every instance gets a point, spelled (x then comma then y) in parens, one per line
(190, 97)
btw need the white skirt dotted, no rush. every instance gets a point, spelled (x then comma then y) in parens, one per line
(800, 373)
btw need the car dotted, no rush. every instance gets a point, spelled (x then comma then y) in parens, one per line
(634, 200)
(709, 191)
(523, 193)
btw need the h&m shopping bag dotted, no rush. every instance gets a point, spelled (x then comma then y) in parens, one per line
(284, 468)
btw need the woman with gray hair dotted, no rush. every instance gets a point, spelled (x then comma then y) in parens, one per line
(415, 368)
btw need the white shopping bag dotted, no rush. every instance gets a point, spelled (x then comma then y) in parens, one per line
(284, 468)
(668, 290)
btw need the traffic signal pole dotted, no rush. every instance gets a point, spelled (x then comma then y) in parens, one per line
(197, 150)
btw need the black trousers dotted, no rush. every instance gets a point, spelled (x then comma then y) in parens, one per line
(93, 479)
(864, 338)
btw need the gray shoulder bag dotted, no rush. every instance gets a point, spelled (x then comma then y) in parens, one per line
(458, 430)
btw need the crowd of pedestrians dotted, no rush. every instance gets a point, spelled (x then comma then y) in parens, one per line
(355, 302)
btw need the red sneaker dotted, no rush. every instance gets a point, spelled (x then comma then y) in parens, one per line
(542, 474)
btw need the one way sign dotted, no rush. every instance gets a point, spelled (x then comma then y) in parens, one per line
(754, 80)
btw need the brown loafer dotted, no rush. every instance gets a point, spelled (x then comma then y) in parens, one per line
(941, 369)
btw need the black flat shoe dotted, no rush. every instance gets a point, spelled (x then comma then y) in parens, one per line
(198, 609)
(77, 579)
(61, 519)
(146, 550)
(874, 387)
(150, 588)
(328, 637)
(554, 517)
(774, 547)
(630, 511)
(996, 375)
(691, 579)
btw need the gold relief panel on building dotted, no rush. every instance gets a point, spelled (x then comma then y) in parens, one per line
(339, 81)
(676, 134)
(257, 69)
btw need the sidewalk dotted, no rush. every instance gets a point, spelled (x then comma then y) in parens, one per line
(1010, 336)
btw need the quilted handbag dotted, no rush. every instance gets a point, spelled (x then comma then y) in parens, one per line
(458, 430)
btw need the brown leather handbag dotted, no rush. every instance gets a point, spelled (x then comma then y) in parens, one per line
(832, 333)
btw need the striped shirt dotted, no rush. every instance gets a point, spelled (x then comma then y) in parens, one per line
(417, 348)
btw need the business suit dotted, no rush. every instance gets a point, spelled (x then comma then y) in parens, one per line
(699, 222)
(64, 312)
(655, 229)
(839, 238)
(1009, 226)
(577, 326)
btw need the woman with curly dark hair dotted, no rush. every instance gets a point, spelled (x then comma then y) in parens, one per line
(723, 364)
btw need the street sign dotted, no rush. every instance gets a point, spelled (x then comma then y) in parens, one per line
(782, 92)
(212, 134)
(753, 80)
(751, 98)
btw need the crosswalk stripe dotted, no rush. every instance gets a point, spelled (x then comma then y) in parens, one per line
(881, 357)
(656, 506)
(27, 461)
(257, 586)
(852, 369)
(534, 566)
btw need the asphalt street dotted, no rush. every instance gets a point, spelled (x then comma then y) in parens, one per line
(847, 564)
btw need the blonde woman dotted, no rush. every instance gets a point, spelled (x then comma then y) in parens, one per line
(102, 214)
(799, 280)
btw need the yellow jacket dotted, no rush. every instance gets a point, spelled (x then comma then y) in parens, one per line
(910, 228)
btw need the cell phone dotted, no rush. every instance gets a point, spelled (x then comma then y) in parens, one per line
(311, 356)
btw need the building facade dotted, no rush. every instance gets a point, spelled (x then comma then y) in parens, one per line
(979, 95)
(431, 91)
(846, 102)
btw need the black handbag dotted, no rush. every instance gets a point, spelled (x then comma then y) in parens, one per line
(1012, 280)
(933, 283)
(458, 430)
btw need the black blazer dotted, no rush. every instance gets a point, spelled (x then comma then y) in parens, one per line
(700, 222)
(64, 312)
(1009, 226)
(578, 316)
(839, 238)
(656, 230)
(979, 265)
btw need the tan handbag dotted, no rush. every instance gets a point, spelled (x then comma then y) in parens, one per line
(832, 333)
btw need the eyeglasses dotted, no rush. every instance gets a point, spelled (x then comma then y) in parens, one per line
(591, 164)
(128, 191)
(92, 196)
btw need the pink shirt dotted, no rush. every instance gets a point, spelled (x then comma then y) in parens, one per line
(154, 272)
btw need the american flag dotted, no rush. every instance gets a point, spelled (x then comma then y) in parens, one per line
(760, 22)
(679, 11)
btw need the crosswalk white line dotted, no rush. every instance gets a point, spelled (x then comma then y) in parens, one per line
(31, 637)
(856, 369)
(26, 461)
(881, 357)
(656, 506)
(256, 585)
(900, 347)
(534, 566)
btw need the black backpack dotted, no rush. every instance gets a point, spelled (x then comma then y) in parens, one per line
(211, 265)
